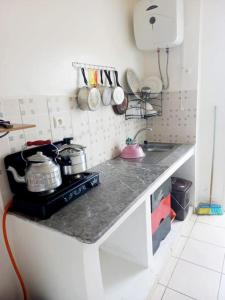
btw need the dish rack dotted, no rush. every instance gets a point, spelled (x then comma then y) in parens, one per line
(138, 107)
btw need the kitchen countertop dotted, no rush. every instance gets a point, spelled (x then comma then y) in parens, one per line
(122, 183)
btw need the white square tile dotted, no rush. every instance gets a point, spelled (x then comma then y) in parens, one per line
(204, 254)
(212, 220)
(195, 281)
(179, 246)
(193, 218)
(168, 271)
(222, 289)
(172, 295)
(224, 267)
(158, 292)
(208, 233)
(11, 109)
(187, 228)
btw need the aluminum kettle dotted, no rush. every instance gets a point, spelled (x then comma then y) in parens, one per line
(72, 158)
(41, 175)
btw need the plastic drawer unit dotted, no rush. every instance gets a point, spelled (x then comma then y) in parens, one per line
(161, 213)
(161, 233)
(161, 193)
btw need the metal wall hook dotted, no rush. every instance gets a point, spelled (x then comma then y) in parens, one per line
(80, 65)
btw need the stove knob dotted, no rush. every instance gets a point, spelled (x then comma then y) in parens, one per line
(65, 199)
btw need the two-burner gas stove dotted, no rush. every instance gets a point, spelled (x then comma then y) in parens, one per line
(44, 205)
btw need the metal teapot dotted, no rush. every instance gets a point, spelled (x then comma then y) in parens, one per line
(72, 158)
(41, 175)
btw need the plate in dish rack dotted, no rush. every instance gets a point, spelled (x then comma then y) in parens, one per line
(154, 83)
(133, 83)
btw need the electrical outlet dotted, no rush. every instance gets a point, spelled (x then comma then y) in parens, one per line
(58, 121)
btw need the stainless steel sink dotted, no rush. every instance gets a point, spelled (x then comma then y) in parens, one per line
(158, 147)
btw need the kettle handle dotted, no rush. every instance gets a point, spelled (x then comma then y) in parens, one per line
(38, 143)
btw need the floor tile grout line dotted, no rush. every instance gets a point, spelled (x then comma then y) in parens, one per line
(190, 297)
(221, 276)
(217, 226)
(163, 293)
(201, 266)
(182, 250)
(189, 237)
(178, 259)
(172, 273)
(222, 247)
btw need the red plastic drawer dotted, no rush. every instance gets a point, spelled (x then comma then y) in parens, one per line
(162, 211)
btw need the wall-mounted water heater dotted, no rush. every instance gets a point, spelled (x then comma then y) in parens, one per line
(158, 24)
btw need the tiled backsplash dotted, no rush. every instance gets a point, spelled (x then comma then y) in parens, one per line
(102, 132)
(178, 122)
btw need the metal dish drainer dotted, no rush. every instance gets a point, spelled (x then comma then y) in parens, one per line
(138, 107)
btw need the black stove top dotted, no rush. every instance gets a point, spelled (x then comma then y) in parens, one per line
(43, 206)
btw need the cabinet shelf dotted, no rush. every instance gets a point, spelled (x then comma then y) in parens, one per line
(16, 127)
(124, 279)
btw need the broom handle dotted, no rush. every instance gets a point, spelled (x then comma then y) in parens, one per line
(213, 153)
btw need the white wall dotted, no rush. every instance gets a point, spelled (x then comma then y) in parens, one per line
(183, 67)
(39, 41)
(212, 74)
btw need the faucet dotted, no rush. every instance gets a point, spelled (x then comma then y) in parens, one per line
(139, 131)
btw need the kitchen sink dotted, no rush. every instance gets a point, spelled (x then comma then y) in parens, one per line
(158, 147)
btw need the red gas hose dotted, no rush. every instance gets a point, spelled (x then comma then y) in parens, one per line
(12, 259)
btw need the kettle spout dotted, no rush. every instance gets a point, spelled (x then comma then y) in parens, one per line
(16, 176)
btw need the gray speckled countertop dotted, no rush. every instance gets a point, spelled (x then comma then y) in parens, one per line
(122, 182)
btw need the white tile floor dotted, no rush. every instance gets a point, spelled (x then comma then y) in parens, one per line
(196, 269)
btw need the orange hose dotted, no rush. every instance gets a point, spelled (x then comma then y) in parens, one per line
(12, 259)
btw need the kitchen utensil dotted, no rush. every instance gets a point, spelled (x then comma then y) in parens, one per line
(118, 92)
(72, 158)
(38, 143)
(89, 98)
(154, 84)
(107, 93)
(43, 205)
(133, 83)
(5, 124)
(41, 175)
(101, 86)
(122, 108)
(132, 151)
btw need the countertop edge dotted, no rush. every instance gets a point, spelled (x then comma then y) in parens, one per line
(130, 209)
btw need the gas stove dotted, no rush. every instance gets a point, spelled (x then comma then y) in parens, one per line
(43, 206)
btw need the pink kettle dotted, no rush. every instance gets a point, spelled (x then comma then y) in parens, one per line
(132, 151)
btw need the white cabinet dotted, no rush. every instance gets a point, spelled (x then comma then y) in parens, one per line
(120, 265)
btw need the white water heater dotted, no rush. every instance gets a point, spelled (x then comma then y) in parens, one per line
(158, 24)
